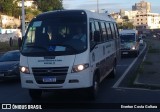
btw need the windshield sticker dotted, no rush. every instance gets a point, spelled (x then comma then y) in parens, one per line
(60, 48)
(51, 48)
(37, 23)
(56, 48)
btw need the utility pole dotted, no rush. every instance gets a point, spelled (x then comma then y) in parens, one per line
(23, 19)
(97, 7)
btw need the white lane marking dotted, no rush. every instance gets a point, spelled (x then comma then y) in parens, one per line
(142, 89)
(121, 65)
(127, 70)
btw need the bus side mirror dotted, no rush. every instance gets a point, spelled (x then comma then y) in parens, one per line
(97, 36)
(19, 42)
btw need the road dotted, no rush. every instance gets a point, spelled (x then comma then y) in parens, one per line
(11, 92)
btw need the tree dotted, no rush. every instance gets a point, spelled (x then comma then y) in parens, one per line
(125, 25)
(49, 5)
(30, 14)
(125, 17)
(6, 6)
(9, 7)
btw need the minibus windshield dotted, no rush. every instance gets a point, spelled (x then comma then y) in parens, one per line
(127, 37)
(58, 36)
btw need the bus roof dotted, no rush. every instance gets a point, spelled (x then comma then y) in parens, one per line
(100, 16)
(126, 31)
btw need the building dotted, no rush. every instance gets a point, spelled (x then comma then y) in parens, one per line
(117, 17)
(9, 21)
(28, 3)
(142, 6)
(145, 20)
(131, 15)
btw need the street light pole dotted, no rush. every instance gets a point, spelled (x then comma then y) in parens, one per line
(23, 19)
(97, 7)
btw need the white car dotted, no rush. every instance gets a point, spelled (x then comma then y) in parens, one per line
(154, 36)
(141, 41)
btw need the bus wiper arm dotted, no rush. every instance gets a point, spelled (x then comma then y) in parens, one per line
(39, 47)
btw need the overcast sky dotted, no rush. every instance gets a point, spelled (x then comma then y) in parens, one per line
(109, 5)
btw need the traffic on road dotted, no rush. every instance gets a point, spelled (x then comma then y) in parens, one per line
(108, 93)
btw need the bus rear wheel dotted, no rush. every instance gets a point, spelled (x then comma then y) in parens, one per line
(35, 94)
(113, 72)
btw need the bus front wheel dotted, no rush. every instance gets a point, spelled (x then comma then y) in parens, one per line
(93, 90)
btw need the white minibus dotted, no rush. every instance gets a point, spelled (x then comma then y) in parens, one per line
(129, 42)
(68, 49)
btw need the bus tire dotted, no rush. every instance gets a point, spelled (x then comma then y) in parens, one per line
(93, 90)
(136, 53)
(113, 72)
(35, 94)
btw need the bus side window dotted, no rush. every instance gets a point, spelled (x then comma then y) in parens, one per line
(104, 33)
(116, 30)
(97, 34)
(108, 30)
(92, 34)
(92, 29)
(113, 31)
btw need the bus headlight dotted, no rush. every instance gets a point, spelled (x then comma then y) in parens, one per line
(133, 48)
(24, 69)
(80, 67)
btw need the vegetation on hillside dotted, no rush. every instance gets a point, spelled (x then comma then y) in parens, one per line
(10, 7)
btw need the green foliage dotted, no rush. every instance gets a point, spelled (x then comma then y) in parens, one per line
(49, 5)
(4, 46)
(30, 14)
(10, 7)
(9, 27)
(125, 25)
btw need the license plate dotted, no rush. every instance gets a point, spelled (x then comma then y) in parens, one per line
(49, 79)
(1, 75)
(125, 52)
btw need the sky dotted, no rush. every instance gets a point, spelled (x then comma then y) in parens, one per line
(108, 5)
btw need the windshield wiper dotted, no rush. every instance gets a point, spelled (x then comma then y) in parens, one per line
(39, 47)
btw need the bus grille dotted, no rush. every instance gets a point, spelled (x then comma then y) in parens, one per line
(50, 72)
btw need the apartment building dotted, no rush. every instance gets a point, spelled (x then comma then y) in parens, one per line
(142, 6)
(131, 15)
(147, 20)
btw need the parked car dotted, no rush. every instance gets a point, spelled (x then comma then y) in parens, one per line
(154, 36)
(9, 65)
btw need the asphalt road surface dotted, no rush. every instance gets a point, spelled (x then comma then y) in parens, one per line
(108, 97)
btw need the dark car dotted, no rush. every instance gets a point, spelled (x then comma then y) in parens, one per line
(9, 65)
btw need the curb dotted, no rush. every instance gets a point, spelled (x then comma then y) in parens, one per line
(145, 85)
(133, 67)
